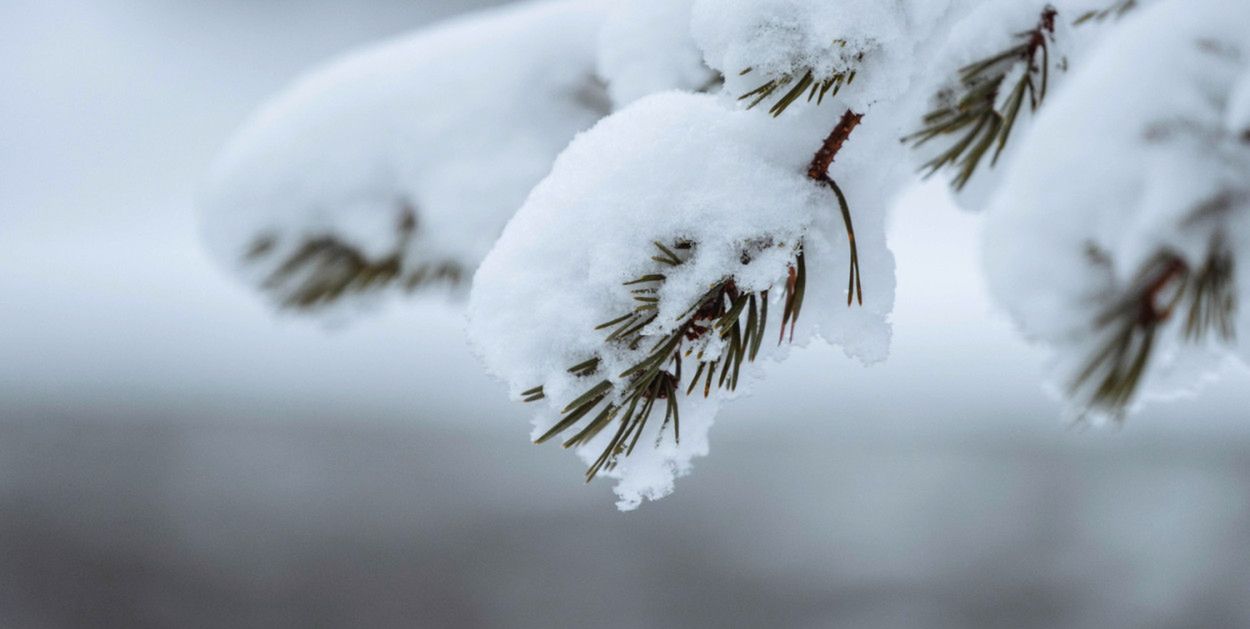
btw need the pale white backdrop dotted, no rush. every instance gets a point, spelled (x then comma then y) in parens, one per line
(174, 454)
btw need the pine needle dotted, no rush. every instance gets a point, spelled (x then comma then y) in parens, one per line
(1116, 11)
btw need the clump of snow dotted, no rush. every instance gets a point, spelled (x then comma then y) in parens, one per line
(646, 47)
(417, 149)
(776, 37)
(883, 43)
(1122, 166)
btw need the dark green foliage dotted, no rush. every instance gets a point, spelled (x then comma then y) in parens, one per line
(738, 318)
(322, 270)
(1116, 10)
(1213, 301)
(1131, 323)
(974, 117)
(792, 89)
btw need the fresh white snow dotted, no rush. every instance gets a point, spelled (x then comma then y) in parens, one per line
(454, 126)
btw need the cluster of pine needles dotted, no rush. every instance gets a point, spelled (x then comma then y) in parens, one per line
(792, 89)
(738, 318)
(977, 119)
(324, 269)
(1130, 324)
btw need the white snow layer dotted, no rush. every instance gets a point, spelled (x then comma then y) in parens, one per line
(1145, 135)
(907, 50)
(451, 125)
(646, 47)
(887, 42)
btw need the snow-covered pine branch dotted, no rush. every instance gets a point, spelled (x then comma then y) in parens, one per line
(1116, 237)
(395, 167)
(577, 311)
(743, 181)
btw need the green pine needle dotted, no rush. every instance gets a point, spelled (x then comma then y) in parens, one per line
(1116, 11)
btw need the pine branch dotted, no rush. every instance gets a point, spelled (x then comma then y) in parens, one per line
(983, 115)
(323, 270)
(1129, 326)
(737, 318)
(1116, 11)
(792, 89)
(819, 172)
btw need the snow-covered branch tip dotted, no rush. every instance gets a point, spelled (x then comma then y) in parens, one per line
(1115, 11)
(816, 87)
(979, 114)
(722, 329)
(1130, 324)
(319, 272)
(819, 171)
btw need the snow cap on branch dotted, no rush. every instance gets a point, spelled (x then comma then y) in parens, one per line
(395, 167)
(646, 47)
(673, 169)
(878, 46)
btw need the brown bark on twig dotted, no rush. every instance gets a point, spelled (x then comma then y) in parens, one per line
(819, 172)
(823, 159)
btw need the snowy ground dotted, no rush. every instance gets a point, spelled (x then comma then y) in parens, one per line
(172, 454)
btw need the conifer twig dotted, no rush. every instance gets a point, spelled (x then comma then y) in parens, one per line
(1130, 324)
(738, 319)
(323, 269)
(983, 115)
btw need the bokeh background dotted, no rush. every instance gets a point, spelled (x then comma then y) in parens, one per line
(173, 454)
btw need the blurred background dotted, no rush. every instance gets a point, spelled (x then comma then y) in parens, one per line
(173, 454)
